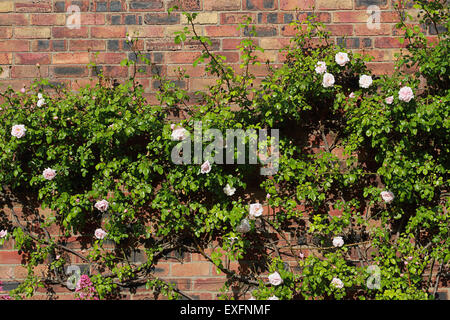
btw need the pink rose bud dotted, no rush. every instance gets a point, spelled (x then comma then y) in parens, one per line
(268, 196)
(389, 100)
(22, 90)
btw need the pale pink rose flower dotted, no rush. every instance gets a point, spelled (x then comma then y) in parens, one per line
(275, 279)
(351, 95)
(389, 100)
(341, 58)
(57, 257)
(23, 90)
(172, 126)
(256, 210)
(102, 205)
(100, 233)
(55, 118)
(179, 134)
(301, 255)
(337, 283)
(321, 67)
(387, 196)
(206, 167)
(268, 196)
(3, 233)
(365, 81)
(40, 102)
(49, 174)
(338, 241)
(405, 94)
(328, 80)
(229, 191)
(273, 298)
(18, 131)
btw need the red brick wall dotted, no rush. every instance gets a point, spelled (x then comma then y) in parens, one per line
(34, 32)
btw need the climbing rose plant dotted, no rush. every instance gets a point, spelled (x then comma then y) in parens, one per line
(357, 210)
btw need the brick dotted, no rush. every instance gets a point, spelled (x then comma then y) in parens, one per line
(5, 58)
(191, 269)
(114, 71)
(115, 6)
(162, 18)
(186, 5)
(260, 4)
(334, 4)
(132, 19)
(108, 32)
(354, 42)
(162, 269)
(274, 43)
(64, 32)
(32, 32)
(166, 45)
(364, 30)
(296, 4)
(208, 284)
(69, 71)
(71, 58)
(5, 33)
(350, 16)
(10, 257)
(182, 57)
(389, 42)
(230, 44)
(381, 67)
(34, 6)
(201, 84)
(87, 45)
(108, 57)
(263, 31)
(10, 19)
(32, 58)
(101, 6)
(221, 5)
(29, 71)
(221, 31)
(6, 6)
(203, 18)
(44, 19)
(181, 284)
(236, 17)
(340, 29)
(321, 16)
(144, 5)
(92, 19)
(196, 45)
(6, 273)
(361, 4)
(146, 31)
